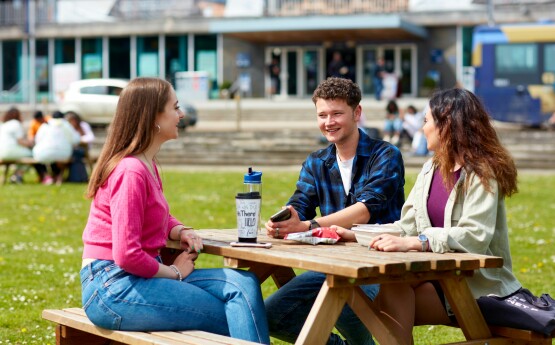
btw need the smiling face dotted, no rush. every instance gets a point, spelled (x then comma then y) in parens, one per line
(337, 120)
(169, 118)
(431, 131)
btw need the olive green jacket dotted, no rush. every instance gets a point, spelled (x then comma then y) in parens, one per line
(475, 222)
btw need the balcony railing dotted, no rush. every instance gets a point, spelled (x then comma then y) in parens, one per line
(279, 8)
(47, 11)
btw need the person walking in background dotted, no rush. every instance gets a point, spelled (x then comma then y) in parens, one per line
(123, 278)
(393, 123)
(13, 143)
(54, 142)
(275, 78)
(456, 205)
(355, 179)
(77, 168)
(337, 67)
(378, 75)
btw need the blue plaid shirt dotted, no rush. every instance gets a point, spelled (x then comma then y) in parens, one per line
(378, 178)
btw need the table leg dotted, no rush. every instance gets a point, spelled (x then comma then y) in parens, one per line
(469, 317)
(280, 275)
(380, 325)
(323, 315)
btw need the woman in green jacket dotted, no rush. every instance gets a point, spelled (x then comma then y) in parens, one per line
(456, 205)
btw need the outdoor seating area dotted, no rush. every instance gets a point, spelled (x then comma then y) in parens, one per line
(344, 275)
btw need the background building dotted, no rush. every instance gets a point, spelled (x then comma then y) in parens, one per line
(44, 44)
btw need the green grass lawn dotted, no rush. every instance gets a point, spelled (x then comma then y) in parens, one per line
(41, 226)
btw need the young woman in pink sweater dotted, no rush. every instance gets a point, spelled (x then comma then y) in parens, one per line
(125, 286)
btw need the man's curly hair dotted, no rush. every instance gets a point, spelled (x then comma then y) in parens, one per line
(338, 88)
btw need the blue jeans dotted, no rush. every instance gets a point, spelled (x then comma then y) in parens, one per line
(378, 87)
(289, 306)
(223, 301)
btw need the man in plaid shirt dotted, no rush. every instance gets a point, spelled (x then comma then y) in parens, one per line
(354, 180)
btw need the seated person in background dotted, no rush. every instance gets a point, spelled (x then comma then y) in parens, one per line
(125, 285)
(34, 125)
(54, 142)
(36, 122)
(13, 144)
(355, 179)
(456, 205)
(77, 169)
(393, 123)
(412, 121)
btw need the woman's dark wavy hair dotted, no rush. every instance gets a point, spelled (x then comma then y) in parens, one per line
(133, 127)
(467, 136)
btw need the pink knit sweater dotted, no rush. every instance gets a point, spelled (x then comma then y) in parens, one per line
(129, 219)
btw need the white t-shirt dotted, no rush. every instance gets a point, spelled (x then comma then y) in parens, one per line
(55, 141)
(346, 170)
(10, 132)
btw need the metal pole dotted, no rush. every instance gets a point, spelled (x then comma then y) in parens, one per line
(491, 21)
(32, 54)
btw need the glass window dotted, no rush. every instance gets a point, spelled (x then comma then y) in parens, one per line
(176, 56)
(41, 67)
(549, 58)
(11, 57)
(516, 58)
(119, 57)
(369, 57)
(114, 90)
(206, 59)
(92, 58)
(147, 56)
(94, 90)
(517, 63)
(311, 58)
(64, 51)
(406, 71)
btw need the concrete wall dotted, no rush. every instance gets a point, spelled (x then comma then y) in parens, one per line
(231, 72)
(443, 40)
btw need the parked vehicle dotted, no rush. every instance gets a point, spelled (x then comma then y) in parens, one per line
(96, 100)
(515, 71)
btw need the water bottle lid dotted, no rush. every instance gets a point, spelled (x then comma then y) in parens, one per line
(253, 177)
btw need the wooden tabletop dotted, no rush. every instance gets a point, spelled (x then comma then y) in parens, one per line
(347, 259)
(349, 265)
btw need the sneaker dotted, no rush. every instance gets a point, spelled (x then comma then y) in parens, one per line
(48, 181)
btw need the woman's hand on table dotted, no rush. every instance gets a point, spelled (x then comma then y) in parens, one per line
(390, 243)
(345, 234)
(190, 241)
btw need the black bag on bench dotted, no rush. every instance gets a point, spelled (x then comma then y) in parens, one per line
(520, 310)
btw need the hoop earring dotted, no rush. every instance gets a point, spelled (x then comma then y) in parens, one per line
(158, 126)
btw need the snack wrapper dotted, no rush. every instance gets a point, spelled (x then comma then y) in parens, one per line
(322, 235)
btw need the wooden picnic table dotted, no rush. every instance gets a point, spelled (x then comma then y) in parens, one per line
(349, 265)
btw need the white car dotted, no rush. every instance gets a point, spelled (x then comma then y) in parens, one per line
(95, 100)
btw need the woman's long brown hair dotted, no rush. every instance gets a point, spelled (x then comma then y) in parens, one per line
(133, 127)
(467, 137)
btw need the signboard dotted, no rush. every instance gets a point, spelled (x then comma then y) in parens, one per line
(63, 74)
(192, 86)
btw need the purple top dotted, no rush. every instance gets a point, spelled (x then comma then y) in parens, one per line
(437, 198)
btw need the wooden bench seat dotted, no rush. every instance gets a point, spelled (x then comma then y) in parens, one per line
(25, 161)
(73, 327)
